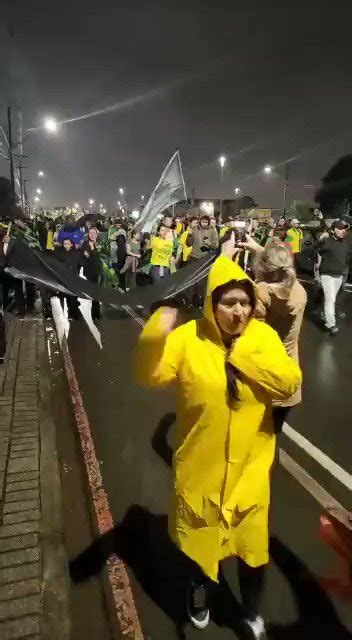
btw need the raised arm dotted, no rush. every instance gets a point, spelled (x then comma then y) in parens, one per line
(265, 362)
(160, 350)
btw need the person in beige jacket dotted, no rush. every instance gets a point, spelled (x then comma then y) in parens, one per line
(281, 303)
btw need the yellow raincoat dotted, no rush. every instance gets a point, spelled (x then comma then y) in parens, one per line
(223, 454)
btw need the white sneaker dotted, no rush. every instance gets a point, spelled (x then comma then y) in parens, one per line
(197, 607)
(256, 628)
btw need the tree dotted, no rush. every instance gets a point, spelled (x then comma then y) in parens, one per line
(335, 194)
(301, 210)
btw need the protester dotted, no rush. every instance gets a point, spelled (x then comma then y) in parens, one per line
(71, 258)
(294, 236)
(129, 270)
(281, 302)
(229, 368)
(334, 252)
(186, 242)
(92, 267)
(162, 247)
(204, 238)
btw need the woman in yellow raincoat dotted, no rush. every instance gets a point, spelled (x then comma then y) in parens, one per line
(228, 367)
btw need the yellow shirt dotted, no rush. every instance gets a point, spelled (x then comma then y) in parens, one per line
(294, 238)
(50, 241)
(179, 228)
(186, 251)
(223, 231)
(161, 252)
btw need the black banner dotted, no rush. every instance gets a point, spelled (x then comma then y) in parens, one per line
(44, 269)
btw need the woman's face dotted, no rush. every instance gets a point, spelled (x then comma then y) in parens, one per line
(233, 311)
(67, 245)
(92, 235)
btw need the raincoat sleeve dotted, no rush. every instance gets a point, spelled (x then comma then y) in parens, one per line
(265, 362)
(158, 356)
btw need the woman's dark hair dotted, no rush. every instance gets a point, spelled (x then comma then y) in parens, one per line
(231, 372)
(205, 217)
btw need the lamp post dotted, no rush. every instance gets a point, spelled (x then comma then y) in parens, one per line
(268, 171)
(222, 163)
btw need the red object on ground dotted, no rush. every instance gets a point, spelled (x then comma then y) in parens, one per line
(336, 531)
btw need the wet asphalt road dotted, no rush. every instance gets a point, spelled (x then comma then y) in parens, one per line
(129, 440)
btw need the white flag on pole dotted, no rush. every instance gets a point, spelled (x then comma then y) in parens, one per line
(169, 190)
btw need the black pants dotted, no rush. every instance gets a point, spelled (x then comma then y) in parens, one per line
(279, 415)
(251, 581)
(2, 336)
(95, 303)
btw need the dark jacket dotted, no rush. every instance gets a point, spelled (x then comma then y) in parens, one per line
(92, 268)
(334, 256)
(72, 259)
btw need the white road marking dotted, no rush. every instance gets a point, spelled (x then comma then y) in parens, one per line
(319, 456)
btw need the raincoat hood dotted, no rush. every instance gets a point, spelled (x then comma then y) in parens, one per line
(223, 271)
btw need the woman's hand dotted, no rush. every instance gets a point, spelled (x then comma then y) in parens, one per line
(229, 248)
(250, 244)
(168, 319)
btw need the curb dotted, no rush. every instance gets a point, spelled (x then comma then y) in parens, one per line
(119, 597)
(56, 622)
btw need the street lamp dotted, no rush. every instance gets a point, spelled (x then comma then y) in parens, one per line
(135, 214)
(222, 162)
(142, 198)
(51, 125)
(38, 191)
(40, 174)
(36, 199)
(121, 191)
(237, 191)
(268, 170)
(91, 201)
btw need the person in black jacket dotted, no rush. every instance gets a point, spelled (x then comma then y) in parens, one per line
(71, 257)
(334, 252)
(92, 267)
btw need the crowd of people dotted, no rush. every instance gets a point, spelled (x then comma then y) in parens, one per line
(112, 253)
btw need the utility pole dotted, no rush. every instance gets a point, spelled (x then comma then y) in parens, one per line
(285, 189)
(9, 131)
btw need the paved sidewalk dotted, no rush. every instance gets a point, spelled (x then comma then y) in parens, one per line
(33, 583)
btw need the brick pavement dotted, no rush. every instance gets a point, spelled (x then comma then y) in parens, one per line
(33, 596)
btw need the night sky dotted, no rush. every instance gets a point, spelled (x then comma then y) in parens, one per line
(260, 82)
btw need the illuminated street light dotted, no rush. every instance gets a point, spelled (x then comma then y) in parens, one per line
(142, 197)
(118, 203)
(135, 214)
(91, 201)
(51, 125)
(38, 191)
(40, 174)
(101, 206)
(222, 161)
(121, 191)
(36, 199)
(76, 205)
(268, 170)
(237, 191)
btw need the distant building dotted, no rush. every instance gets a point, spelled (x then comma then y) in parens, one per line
(208, 206)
